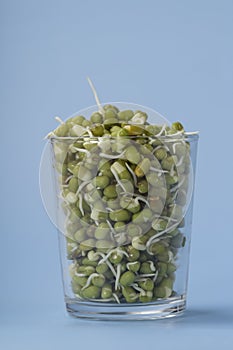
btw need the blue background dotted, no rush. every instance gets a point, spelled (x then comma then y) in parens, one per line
(173, 56)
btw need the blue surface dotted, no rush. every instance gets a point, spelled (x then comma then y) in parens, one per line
(173, 56)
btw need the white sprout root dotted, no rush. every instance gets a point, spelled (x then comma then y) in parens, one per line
(174, 146)
(68, 178)
(89, 132)
(118, 275)
(145, 275)
(178, 185)
(116, 298)
(117, 179)
(82, 150)
(114, 250)
(81, 203)
(111, 156)
(111, 268)
(113, 232)
(180, 162)
(158, 170)
(152, 239)
(191, 133)
(155, 276)
(59, 120)
(101, 110)
(80, 274)
(132, 173)
(152, 266)
(162, 130)
(89, 280)
(137, 288)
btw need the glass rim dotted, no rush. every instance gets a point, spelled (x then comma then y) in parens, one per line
(186, 136)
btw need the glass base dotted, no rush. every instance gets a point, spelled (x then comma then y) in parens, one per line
(118, 312)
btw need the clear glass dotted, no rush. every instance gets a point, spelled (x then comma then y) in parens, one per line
(123, 209)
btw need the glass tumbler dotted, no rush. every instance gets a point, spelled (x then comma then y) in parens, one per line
(123, 208)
